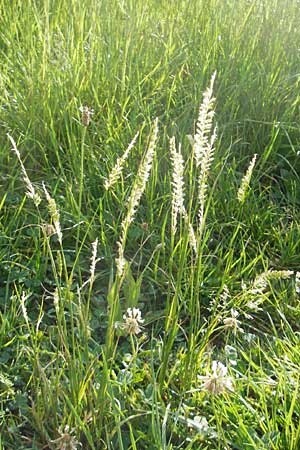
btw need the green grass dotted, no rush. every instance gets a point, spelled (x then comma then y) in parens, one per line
(63, 362)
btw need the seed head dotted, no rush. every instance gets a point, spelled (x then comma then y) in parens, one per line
(54, 213)
(297, 283)
(86, 115)
(118, 168)
(93, 261)
(177, 183)
(136, 194)
(246, 181)
(31, 192)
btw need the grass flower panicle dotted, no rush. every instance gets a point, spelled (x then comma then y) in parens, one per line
(225, 295)
(31, 192)
(205, 165)
(118, 168)
(56, 300)
(203, 145)
(192, 235)
(132, 321)
(177, 183)
(136, 194)
(217, 381)
(54, 214)
(178, 207)
(48, 229)
(24, 309)
(93, 261)
(142, 175)
(261, 281)
(120, 260)
(202, 140)
(246, 181)
(297, 283)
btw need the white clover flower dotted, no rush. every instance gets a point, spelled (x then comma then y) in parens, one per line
(132, 321)
(217, 381)
(66, 440)
(233, 322)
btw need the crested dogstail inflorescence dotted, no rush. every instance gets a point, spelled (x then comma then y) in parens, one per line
(177, 183)
(118, 168)
(136, 194)
(54, 214)
(204, 141)
(31, 192)
(246, 181)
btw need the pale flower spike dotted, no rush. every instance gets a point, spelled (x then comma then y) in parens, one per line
(204, 123)
(54, 213)
(297, 283)
(118, 168)
(177, 183)
(93, 262)
(24, 309)
(135, 196)
(192, 236)
(261, 281)
(31, 192)
(246, 181)
(203, 145)
(120, 260)
(178, 207)
(56, 300)
(205, 165)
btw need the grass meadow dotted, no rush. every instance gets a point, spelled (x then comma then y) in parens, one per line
(149, 224)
